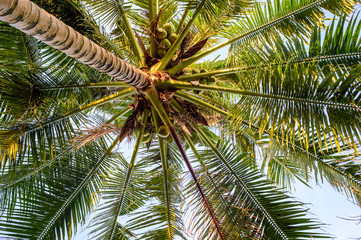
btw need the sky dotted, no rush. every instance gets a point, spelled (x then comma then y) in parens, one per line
(332, 208)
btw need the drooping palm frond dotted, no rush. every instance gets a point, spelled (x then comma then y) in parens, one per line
(19, 52)
(320, 158)
(247, 188)
(66, 191)
(272, 19)
(108, 215)
(327, 100)
(284, 164)
(163, 214)
(35, 117)
(337, 48)
(341, 170)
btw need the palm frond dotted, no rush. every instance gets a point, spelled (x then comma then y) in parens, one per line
(31, 132)
(341, 170)
(286, 18)
(333, 107)
(252, 192)
(286, 161)
(159, 215)
(66, 192)
(336, 48)
(235, 222)
(134, 195)
(18, 52)
(272, 19)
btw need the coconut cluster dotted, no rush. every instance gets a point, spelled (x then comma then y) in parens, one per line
(162, 133)
(166, 36)
(203, 80)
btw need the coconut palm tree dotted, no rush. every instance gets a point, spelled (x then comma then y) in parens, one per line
(216, 143)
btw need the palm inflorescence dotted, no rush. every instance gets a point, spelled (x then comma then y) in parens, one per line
(117, 123)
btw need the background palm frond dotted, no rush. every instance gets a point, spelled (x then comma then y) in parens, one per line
(243, 185)
(66, 194)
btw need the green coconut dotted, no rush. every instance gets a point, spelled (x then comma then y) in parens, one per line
(173, 37)
(161, 52)
(165, 43)
(169, 28)
(161, 33)
(146, 138)
(169, 139)
(146, 133)
(211, 80)
(195, 71)
(163, 132)
(203, 81)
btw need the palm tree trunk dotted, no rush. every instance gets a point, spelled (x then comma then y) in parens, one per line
(31, 19)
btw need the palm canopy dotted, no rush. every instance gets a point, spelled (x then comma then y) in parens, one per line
(284, 105)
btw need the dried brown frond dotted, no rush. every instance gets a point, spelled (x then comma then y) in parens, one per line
(166, 96)
(91, 134)
(192, 113)
(181, 124)
(214, 119)
(129, 126)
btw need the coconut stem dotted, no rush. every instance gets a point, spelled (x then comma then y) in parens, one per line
(137, 50)
(190, 169)
(182, 21)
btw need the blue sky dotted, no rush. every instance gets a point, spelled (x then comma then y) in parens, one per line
(331, 207)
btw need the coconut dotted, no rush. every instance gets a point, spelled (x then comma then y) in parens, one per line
(165, 43)
(173, 37)
(146, 138)
(169, 139)
(161, 33)
(146, 133)
(203, 81)
(195, 71)
(163, 132)
(211, 80)
(161, 52)
(169, 28)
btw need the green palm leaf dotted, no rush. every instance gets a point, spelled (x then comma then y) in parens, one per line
(275, 212)
(160, 216)
(17, 44)
(61, 189)
(107, 212)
